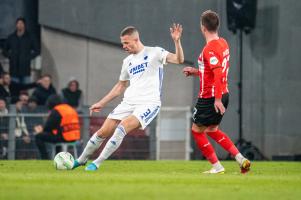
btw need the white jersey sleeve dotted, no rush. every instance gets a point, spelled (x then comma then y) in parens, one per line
(162, 54)
(124, 75)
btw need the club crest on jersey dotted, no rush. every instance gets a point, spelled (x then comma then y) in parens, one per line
(138, 68)
(213, 60)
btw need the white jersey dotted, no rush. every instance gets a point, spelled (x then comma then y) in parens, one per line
(145, 73)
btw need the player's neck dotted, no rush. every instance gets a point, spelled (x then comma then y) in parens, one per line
(211, 36)
(139, 48)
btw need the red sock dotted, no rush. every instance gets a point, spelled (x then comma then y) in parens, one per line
(222, 139)
(205, 147)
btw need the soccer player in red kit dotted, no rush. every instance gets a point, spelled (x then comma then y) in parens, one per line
(213, 95)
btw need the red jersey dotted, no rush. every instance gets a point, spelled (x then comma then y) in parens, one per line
(215, 54)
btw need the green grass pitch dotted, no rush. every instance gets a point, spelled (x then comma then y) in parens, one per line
(149, 180)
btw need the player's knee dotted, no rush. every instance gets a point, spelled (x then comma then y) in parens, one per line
(127, 127)
(130, 124)
(213, 128)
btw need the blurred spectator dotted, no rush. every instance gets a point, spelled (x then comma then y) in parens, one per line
(72, 95)
(32, 107)
(20, 48)
(3, 108)
(22, 101)
(1, 69)
(62, 125)
(3, 129)
(10, 90)
(32, 121)
(21, 131)
(25, 148)
(1, 78)
(44, 90)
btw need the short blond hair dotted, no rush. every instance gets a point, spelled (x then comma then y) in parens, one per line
(129, 30)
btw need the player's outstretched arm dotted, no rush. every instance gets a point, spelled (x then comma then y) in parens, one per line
(190, 71)
(178, 56)
(117, 90)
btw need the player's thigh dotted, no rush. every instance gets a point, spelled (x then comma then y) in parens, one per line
(130, 123)
(205, 114)
(211, 128)
(146, 114)
(198, 128)
(108, 127)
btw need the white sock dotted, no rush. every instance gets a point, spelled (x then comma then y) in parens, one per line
(239, 158)
(111, 146)
(92, 145)
(217, 166)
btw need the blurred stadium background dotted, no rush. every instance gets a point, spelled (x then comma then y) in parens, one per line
(81, 39)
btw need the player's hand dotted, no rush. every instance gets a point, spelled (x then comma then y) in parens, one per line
(176, 31)
(219, 107)
(96, 107)
(189, 71)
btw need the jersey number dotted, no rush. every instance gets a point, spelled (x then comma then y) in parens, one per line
(224, 66)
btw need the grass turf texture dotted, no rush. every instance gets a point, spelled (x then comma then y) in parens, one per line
(149, 180)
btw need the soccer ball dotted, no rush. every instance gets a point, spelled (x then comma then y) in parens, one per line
(63, 161)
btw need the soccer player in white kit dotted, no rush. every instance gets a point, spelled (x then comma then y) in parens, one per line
(141, 82)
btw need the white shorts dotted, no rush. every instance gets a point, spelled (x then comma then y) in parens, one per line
(144, 113)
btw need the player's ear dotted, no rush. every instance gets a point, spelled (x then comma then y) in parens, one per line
(202, 29)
